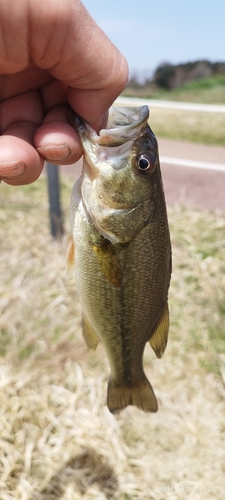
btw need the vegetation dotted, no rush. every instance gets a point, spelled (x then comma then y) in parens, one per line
(57, 438)
(207, 90)
(200, 81)
(169, 76)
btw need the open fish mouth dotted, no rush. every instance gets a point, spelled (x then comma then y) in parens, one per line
(124, 124)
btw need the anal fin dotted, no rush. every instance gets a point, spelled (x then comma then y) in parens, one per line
(158, 340)
(89, 335)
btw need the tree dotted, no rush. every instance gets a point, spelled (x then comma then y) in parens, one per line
(164, 75)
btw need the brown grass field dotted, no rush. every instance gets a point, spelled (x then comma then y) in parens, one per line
(57, 437)
(193, 126)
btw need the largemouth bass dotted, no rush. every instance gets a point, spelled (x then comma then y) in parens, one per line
(120, 250)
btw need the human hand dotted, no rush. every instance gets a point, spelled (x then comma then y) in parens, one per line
(51, 53)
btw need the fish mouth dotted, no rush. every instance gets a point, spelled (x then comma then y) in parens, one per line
(124, 124)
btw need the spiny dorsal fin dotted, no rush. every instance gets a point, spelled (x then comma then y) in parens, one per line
(158, 340)
(70, 257)
(108, 262)
(89, 335)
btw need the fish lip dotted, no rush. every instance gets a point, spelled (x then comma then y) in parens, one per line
(133, 121)
(117, 133)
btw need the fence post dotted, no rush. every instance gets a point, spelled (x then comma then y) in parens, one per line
(55, 211)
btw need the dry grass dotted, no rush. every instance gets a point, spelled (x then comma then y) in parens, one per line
(193, 126)
(57, 438)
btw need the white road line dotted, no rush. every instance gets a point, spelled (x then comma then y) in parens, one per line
(153, 103)
(192, 163)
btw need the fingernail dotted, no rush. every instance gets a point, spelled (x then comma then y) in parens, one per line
(55, 153)
(15, 171)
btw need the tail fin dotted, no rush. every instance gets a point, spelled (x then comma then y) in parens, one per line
(142, 396)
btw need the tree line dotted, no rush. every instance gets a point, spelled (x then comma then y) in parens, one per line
(169, 76)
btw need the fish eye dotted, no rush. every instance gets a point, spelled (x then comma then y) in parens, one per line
(144, 163)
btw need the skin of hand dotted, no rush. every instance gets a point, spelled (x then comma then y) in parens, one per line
(51, 52)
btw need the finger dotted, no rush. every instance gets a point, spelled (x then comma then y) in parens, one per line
(56, 140)
(24, 108)
(20, 116)
(22, 164)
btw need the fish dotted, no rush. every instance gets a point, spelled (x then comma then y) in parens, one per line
(120, 250)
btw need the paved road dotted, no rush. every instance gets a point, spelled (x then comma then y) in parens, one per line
(199, 188)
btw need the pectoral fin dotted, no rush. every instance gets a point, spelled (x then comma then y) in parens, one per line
(70, 257)
(108, 262)
(89, 335)
(158, 340)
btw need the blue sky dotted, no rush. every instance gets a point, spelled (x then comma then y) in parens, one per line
(151, 32)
